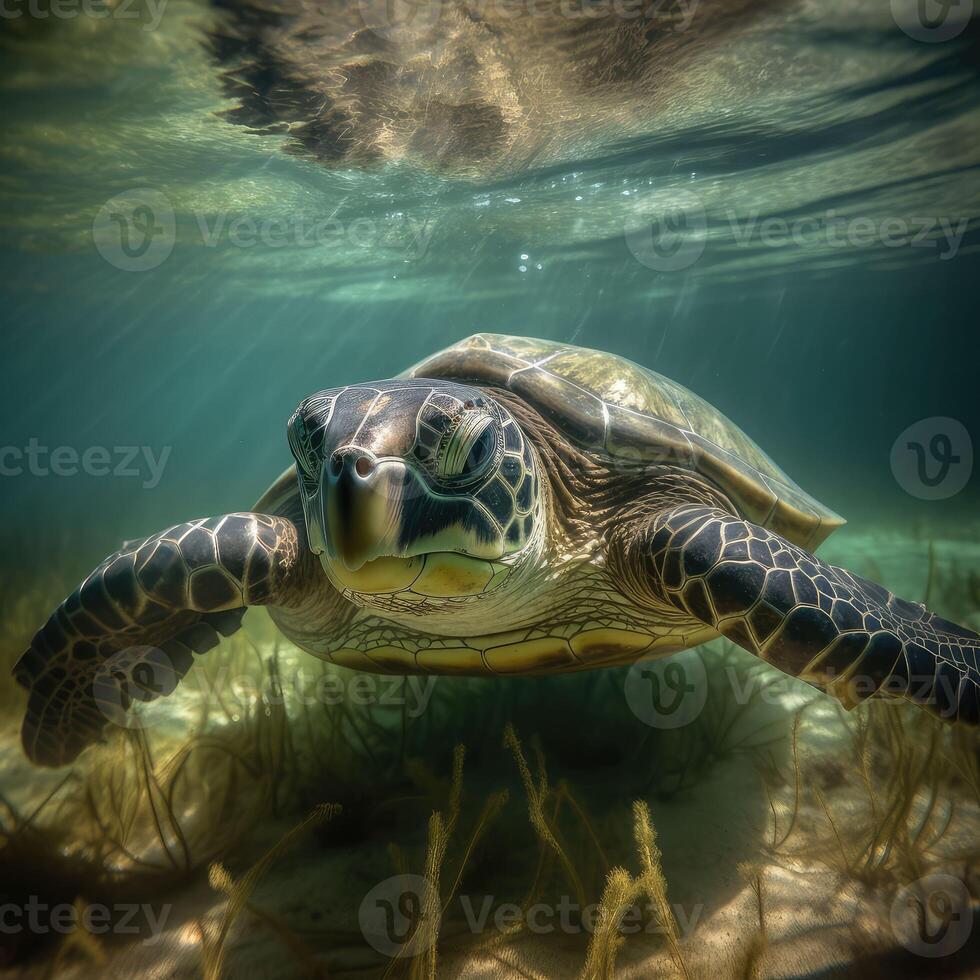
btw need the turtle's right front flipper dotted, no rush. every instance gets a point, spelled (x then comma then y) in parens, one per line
(834, 629)
(129, 630)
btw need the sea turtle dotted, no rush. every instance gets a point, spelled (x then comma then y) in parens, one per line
(508, 506)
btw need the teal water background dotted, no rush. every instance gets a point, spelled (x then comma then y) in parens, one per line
(824, 353)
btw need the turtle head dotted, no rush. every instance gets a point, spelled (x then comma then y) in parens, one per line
(405, 477)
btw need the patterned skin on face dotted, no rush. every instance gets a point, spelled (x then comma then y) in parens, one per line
(400, 470)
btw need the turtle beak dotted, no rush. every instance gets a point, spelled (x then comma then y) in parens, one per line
(361, 505)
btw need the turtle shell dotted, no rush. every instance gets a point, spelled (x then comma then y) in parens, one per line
(607, 404)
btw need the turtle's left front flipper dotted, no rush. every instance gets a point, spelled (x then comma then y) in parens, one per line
(838, 631)
(128, 631)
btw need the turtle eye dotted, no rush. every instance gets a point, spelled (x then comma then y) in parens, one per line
(297, 435)
(469, 449)
(480, 454)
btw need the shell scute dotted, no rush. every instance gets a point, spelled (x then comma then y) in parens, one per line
(568, 407)
(631, 435)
